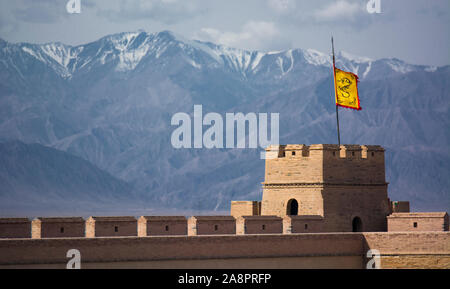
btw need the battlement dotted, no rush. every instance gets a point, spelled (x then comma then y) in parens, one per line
(343, 151)
(211, 225)
(259, 225)
(162, 226)
(111, 226)
(57, 227)
(427, 221)
(15, 228)
(325, 163)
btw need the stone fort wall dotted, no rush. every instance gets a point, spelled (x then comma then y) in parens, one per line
(336, 183)
(416, 222)
(328, 250)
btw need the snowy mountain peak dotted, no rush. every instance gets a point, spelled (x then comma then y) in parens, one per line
(315, 57)
(125, 51)
(353, 58)
(399, 66)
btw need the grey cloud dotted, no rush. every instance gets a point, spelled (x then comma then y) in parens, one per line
(165, 11)
(253, 35)
(43, 11)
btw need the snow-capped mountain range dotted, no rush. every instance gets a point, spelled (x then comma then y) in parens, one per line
(127, 50)
(110, 102)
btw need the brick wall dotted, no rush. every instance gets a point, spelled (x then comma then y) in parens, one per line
(337, 183)
(259, 225)
(399, 207)
(343, 203)
(15, 228)
(425, 250)
(398, 250)
(417, 222)
(245, 208)
(303, 224)
(58, 227)
(211, 225)
(111, 227)
(183, 248)
(354, 165)
(276, 198)
(162, 225)
(326, 163)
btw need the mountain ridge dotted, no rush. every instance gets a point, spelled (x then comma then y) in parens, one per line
(122, 41)
(116, 113)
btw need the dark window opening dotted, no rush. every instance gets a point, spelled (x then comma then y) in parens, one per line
(353, 153)
(334, 154)
(293, 153)
(61, 230)
(216, 227)
(167, 228)
(357, 225)
(306, 226)
(263, 227)
(116, 229)
(415, 225)
(292, 207)
(373, 154)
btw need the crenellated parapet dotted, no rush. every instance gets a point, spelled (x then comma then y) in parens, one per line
(325, 164)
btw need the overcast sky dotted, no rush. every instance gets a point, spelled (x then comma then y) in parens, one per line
(417, 31)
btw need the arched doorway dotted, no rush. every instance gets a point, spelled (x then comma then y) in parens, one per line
(292, 207)
(357, 224)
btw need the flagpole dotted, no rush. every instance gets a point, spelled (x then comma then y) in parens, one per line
(337, 107)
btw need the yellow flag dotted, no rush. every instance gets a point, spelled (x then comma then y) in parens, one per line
(346, 89)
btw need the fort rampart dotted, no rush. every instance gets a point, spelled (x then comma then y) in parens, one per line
(319, 250)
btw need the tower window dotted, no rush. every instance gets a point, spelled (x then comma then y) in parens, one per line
(167, 228)
(116, 229)
(61, 230)
(292, 207)
(415, 224)
(334, 154)
(353, 153)
(293, 153)
(216, 227)
(263, 227)
(306, 226)
(373, 154)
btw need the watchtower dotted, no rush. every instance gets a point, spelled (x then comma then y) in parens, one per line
(344, 185)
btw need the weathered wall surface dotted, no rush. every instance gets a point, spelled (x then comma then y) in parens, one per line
(327, 250)
(111, 227)
(302, 224)
(294, 163)
(354, 165)
(349, 164)
(245, 208)
(259, 225)
(15, 228)
(343, 203)
(410, 249)
(211, 225)
(134, 249)
(337, 183)
(162, 226)
(58, 227)
(400, 207)
(416, 222)
(276, 198)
